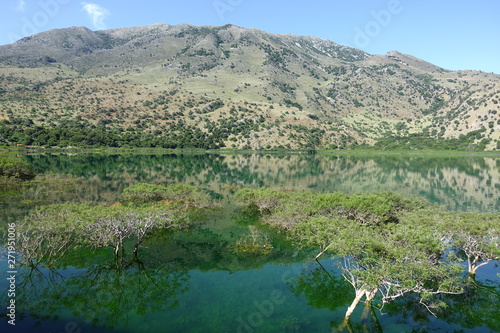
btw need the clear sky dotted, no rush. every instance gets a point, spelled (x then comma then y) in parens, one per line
(453, 34)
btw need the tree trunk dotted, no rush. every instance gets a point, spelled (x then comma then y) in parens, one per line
(472, 272)
(473, 266)
(377, 327)
(346, 324)
(357, 299)
(364, 315)
(370, 295)
(321, 253)
(368, 310)
(117, 250)
(136, 248)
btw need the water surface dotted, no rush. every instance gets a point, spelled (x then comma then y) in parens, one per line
(192, 281)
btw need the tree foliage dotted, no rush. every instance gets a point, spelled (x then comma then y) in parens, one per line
(15, 168)
(476, 236)
(384, 243)
(48, 232)
(420, 141)
(81, 133)
(103, 296)
(188, 196)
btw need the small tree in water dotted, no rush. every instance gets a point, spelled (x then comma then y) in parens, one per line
(392, 260)
(378, 252)
(49, 231)
(475, 235)
(116, 225)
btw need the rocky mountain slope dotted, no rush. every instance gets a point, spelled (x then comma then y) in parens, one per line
(235, 87)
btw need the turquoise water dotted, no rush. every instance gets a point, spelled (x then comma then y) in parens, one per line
(192, 281)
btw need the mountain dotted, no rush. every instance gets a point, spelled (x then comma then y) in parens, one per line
(208, 86)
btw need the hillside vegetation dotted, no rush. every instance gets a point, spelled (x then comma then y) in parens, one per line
(210, 87)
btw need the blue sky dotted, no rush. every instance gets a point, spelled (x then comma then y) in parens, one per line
(454, 34)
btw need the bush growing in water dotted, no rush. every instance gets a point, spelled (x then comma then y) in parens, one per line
(255, 243)
(15, 168)
(144, 193)
(383, 243)
(50, 231)
(287, 208)
(187, 195)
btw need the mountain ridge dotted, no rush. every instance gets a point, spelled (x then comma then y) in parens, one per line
(304, 92)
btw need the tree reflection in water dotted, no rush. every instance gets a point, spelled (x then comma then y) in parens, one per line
(476, 309)
(102, 295)
(325, 289)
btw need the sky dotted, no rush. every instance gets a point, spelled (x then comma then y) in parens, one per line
(453, 34)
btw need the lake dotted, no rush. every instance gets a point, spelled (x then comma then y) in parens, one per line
(193, 281)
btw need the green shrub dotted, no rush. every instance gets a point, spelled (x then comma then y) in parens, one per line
(15, 168)
(48, 232)
(143, 192)
(264, 199)
(188, 196)
(285, 209)
(255, 243)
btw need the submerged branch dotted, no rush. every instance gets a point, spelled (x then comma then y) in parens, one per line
(322, 252)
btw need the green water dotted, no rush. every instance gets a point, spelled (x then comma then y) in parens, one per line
(192, 281)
